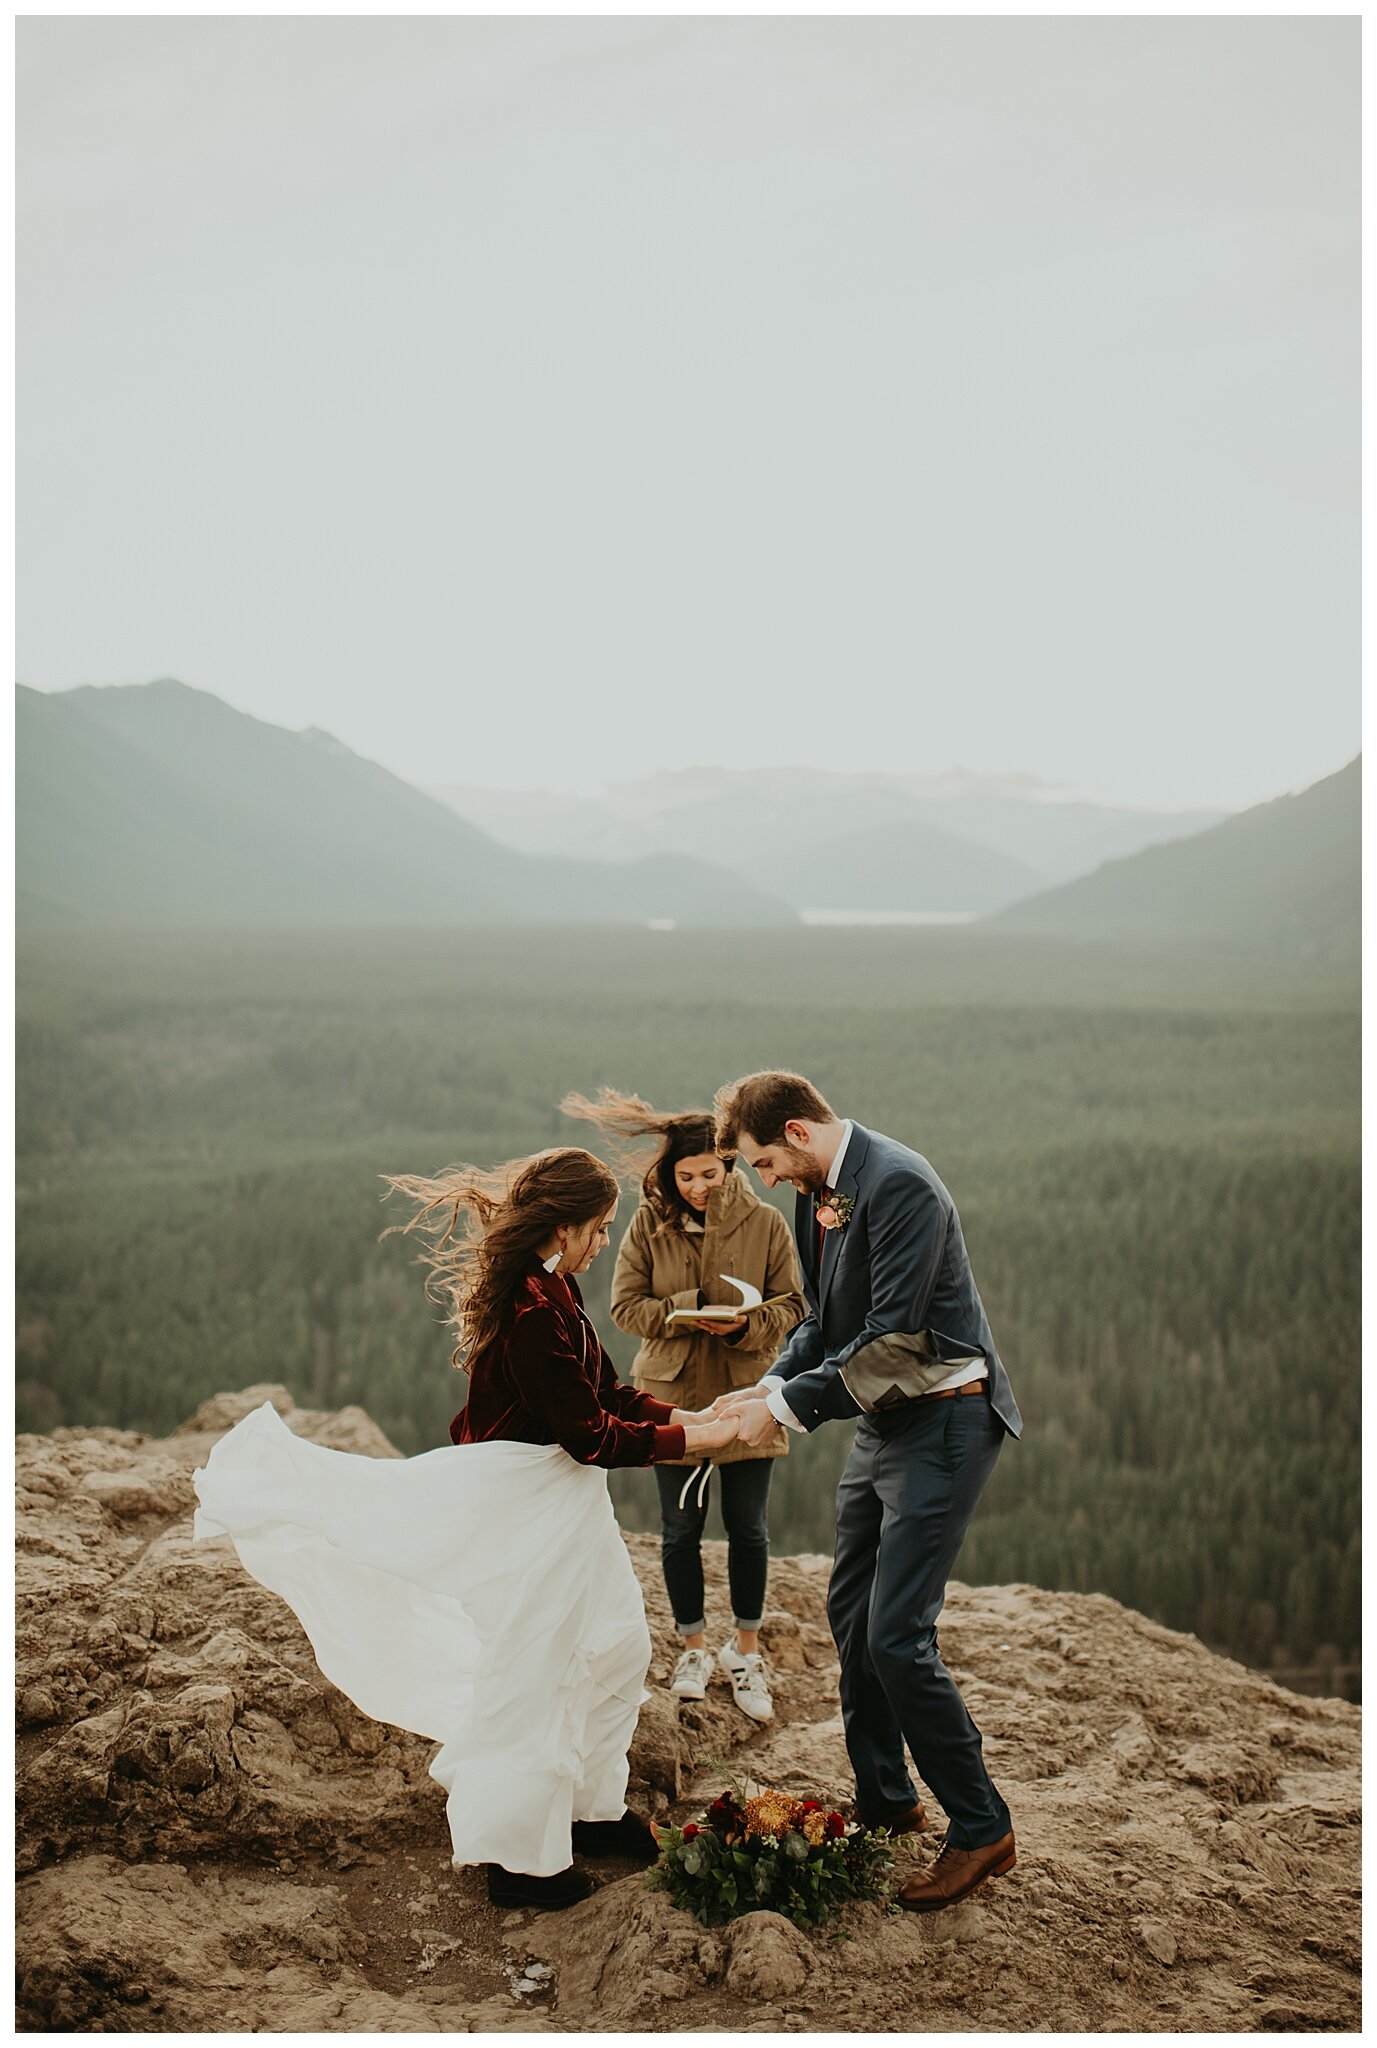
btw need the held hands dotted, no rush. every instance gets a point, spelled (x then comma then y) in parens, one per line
(739, 1399)
(712, 1429)
(755, 1424)
(708, 1432)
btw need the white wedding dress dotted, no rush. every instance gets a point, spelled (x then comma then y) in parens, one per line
(480, 1595)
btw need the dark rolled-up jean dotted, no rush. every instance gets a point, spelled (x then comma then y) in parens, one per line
(685, 1493)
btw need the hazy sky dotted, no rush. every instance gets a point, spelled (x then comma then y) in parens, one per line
(555, 400)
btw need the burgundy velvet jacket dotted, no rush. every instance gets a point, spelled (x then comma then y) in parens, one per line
(547, 1380)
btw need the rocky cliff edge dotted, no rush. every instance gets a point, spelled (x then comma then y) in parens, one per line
(211, 1838)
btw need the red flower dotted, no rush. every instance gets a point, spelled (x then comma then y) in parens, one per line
(691, 1830)
(835, 1824)
(725, 1815)
(811, 1806)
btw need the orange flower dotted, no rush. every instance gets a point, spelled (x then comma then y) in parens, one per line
(770, 1813)
(828, 1217)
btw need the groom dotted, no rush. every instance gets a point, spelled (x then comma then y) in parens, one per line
(896, 1335)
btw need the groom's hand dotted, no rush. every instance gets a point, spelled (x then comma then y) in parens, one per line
(756, 1426)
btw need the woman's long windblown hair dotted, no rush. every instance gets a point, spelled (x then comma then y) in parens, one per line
(484, 1224)
(627, 1120)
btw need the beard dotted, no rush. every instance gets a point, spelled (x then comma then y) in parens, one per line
(804, 1171)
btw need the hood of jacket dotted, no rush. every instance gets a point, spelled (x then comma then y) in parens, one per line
(730, 1208)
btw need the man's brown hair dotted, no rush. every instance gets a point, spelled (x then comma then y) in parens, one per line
(762, 1104)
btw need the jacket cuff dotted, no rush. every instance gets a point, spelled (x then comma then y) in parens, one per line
(669, 1444)
(650, 1408)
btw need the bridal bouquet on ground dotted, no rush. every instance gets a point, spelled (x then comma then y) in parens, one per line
(770, 1852)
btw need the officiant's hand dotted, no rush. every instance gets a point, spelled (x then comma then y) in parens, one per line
(715, 1327)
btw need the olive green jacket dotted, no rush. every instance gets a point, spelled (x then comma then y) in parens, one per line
(663, 1266)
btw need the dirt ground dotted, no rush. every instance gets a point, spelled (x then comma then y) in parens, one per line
(212, 1839)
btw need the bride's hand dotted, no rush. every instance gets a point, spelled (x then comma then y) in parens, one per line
(738, 1398)
(713, 1435)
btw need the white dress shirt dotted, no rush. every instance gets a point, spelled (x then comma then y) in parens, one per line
(962, 1373)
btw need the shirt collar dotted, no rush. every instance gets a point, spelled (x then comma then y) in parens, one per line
(835, 1174)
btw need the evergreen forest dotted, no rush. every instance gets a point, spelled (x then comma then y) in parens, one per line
(1156, 1160)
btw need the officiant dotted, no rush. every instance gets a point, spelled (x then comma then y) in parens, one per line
(699, 1226)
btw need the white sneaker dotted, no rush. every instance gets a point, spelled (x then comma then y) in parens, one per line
(691, 1675)
(750, 1686)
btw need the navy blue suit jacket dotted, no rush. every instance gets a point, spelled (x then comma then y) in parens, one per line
(898, 1266)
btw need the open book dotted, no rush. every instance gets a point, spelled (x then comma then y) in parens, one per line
(714, 1312)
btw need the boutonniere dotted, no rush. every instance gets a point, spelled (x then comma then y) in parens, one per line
(835, 1212)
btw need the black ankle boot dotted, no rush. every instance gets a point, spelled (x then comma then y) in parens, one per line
(629, 1836)
(545, 1894)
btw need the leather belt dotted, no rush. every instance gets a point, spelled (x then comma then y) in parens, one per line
(951, 1393)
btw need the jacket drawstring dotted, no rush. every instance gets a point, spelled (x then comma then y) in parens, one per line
(703, 1481)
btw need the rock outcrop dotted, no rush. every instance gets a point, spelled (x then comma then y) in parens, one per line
(211, 1838)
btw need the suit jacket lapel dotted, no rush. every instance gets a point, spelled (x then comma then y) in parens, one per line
(831, 1251)
(806, 1238)
(848, 1184)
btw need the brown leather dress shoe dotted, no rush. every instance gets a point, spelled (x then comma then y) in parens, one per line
(955, 1875)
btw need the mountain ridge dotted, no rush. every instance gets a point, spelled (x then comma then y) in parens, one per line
(1283, 876)
(161, 803)
(836, 839)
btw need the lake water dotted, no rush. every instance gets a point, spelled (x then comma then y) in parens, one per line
(854, 917)
(889, 916)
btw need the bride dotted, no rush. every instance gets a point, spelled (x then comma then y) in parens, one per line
(481, 1594)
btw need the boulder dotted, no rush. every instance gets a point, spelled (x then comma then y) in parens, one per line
(767, 1958)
